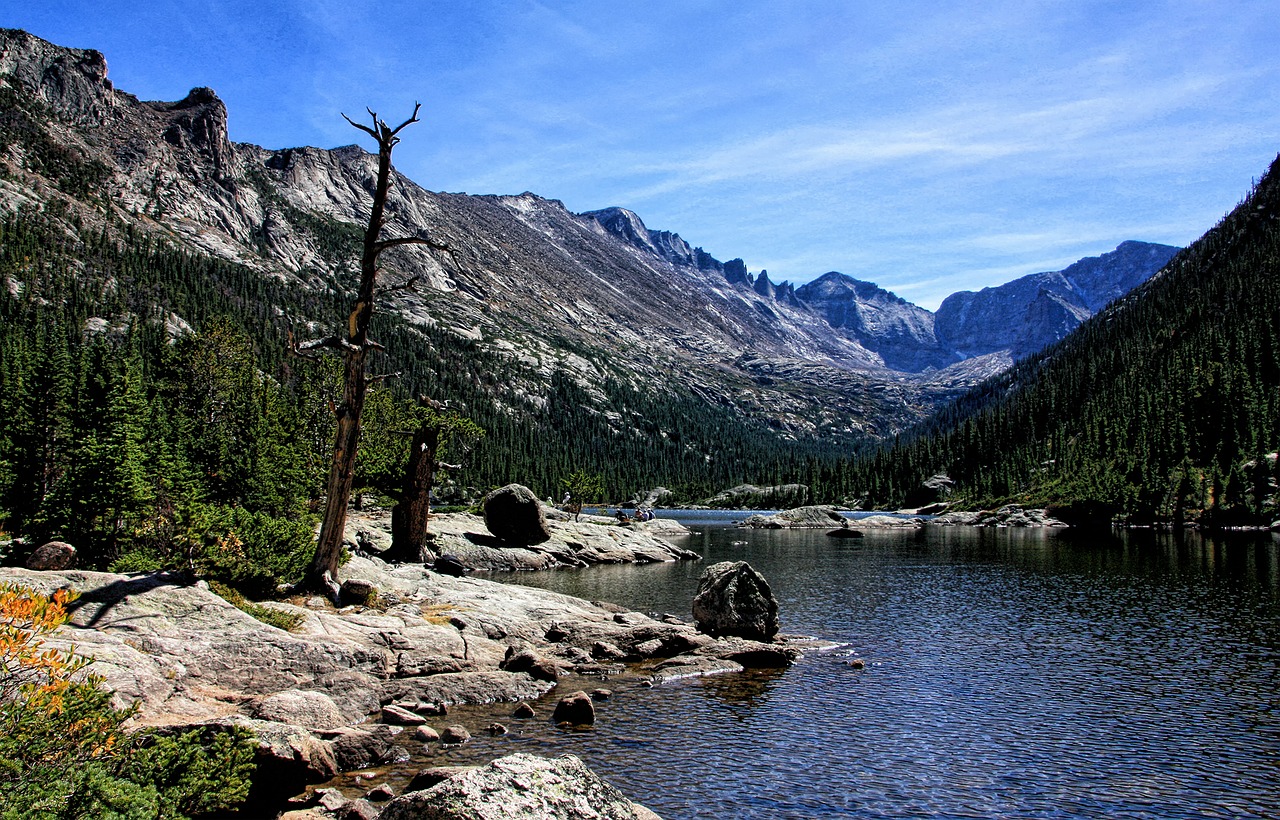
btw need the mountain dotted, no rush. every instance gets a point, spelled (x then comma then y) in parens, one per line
(535, 304)
(901, 333)
(1163, 406)
(1031, 313)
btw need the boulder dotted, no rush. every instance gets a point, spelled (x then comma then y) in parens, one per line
(356, 591)
(520, 787)
(288, 758)
(734, 599)
(380, 794)
(359, 748)
(455, 735)
(359, 809)
(54, 555)
(526, 660)
(513, 514)
(425, 734)
(576, 709)
(450, 565)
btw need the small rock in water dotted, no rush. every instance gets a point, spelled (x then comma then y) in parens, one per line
(381, 793)
(454, 735)
(524, 710)
(425, 734)
(857, 663)
(734, 599)
(601, 694)
(497, 730)
(575, 709)
(401, 716)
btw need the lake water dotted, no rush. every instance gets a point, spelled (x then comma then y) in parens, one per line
(1009, 673)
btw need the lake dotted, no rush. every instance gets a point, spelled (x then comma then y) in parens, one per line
(1008, 673)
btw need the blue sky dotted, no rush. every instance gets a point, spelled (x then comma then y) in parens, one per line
(925, 146)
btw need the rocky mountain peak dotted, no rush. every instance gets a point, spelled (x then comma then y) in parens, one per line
(1030, 313)
(72, 82)
(880, 320)
(199, 122)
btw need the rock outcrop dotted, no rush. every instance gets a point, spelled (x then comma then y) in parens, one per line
(1010, 515)
(900, 333)
(817, 516)
(189, 658)
(734, 599)
(519, 787)
(1030, 313)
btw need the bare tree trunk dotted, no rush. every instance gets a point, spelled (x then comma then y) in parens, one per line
(409, 517)
(323, 572)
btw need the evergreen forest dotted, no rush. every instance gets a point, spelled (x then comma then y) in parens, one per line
(1163, 407)
(151, 415)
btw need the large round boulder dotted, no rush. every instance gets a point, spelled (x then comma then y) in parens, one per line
(54, 555)
(734, 599)
(513, 513)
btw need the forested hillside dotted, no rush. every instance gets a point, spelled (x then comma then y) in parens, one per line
(145, 391)
(1164, 406)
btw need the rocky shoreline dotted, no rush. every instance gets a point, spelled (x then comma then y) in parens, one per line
(826, 517)
(338, 692)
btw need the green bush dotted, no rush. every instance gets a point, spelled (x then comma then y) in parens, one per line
(271, 617)
(64, 752)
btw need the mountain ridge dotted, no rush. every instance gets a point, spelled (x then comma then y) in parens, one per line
(597, 295)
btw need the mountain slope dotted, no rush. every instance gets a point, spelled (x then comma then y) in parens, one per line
(1165, 405)
(534, 304)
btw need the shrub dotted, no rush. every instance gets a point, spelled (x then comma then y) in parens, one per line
(63, 750)
(271, 617)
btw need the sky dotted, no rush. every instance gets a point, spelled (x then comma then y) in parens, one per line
(923, 145)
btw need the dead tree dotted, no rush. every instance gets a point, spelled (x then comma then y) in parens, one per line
(410, 516)
(355, 348)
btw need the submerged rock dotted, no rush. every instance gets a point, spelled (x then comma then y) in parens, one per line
(734, 599)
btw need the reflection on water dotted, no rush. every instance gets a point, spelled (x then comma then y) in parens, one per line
(1008, 673)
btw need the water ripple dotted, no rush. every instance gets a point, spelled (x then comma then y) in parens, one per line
(1008, 674)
